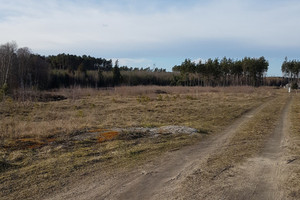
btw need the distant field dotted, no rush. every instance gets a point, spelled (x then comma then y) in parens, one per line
(202, 108)
(44, 145)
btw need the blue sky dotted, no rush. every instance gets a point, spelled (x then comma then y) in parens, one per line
(159, 33)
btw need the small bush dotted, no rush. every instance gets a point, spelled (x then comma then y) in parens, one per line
(3, 91)
(294, 86)
(5, 166)
(189, 97)
(1, 95)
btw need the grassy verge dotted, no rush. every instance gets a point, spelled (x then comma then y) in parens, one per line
(38, 154)
(293, 182)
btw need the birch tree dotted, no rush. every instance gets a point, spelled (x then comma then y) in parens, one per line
(7, 53)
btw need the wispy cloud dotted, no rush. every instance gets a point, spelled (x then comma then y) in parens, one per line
(69, 22)
(128, 28)
(134, 62)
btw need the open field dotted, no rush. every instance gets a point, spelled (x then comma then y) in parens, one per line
(47, 146)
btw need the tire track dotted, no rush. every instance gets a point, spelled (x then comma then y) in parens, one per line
(161, 178)
(173, 168)
(262, 177)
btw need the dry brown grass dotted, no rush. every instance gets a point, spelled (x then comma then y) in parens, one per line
(49, 158)
(151, 90)
(293, 183)
(125, 106)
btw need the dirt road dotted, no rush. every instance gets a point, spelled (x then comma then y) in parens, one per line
(259, 177)
(262, 177)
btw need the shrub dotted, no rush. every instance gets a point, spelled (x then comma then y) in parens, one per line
(295, 86)
(3, 91)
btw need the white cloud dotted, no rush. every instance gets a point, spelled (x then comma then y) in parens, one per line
(197, 60)
(132, 62)
(104, 27)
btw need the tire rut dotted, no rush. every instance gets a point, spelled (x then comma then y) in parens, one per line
(261, 177)
(173, 168)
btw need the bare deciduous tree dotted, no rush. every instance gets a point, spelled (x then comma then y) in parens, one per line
(7, 52)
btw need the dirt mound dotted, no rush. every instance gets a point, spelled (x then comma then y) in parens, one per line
(164, 130)
(177, 130)
(137, 132)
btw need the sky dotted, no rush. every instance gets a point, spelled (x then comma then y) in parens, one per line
(156, 33)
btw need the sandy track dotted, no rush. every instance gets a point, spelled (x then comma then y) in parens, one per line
(176, 166)
(158, 179)
(263, 176)
(260, 177)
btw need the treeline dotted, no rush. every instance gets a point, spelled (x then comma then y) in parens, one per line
(291, 69)
(74, 63)
(84, 63)
(96, 79)
(98, 72)
(224, 72)
(20, 69)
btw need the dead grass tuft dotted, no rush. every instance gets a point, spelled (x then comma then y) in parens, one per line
(292, 184)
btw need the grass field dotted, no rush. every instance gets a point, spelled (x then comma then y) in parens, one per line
(43, 144)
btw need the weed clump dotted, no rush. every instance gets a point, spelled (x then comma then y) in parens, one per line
(80, 114)
(4, 166)
(189, 97)
(143, 99)
(159, 97)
